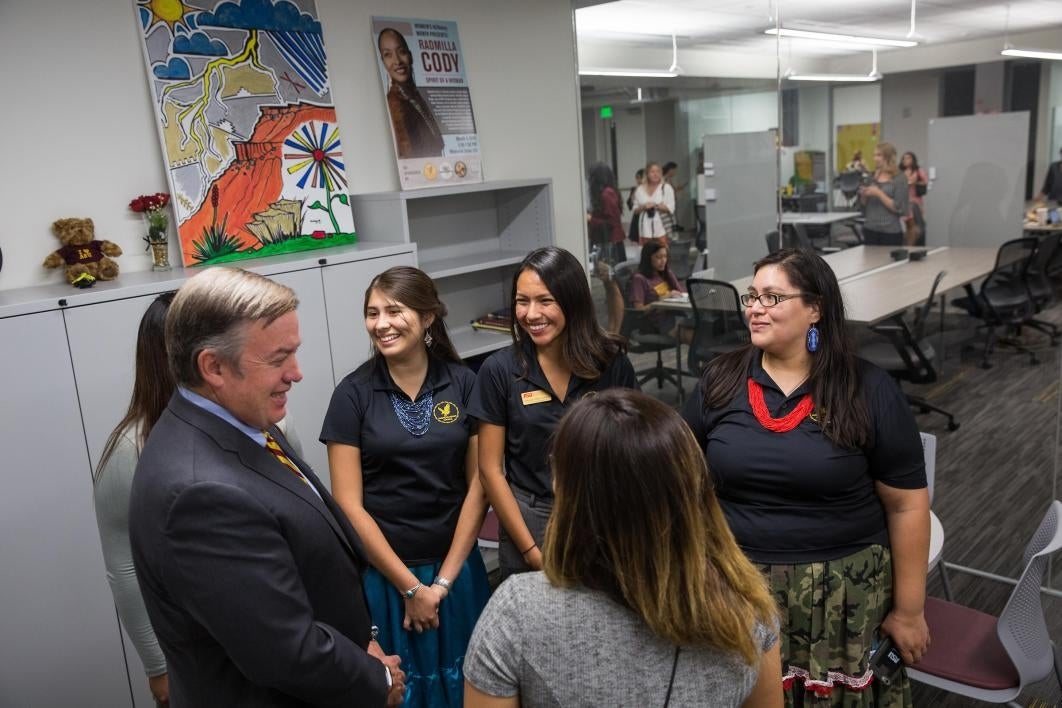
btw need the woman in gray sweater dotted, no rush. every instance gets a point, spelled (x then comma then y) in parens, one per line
(646, 598)
(885, 200)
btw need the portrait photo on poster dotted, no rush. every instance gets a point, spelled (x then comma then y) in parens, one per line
(428, 100)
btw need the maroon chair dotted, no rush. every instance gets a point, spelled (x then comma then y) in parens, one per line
(991, 658)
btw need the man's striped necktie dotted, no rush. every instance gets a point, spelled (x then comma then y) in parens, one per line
(274, 447)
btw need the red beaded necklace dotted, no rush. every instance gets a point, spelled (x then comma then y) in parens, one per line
(777, 425)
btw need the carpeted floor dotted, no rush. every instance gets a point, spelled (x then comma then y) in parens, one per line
(995, 476)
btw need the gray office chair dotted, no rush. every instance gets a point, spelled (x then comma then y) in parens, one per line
(681, 258)
(992, 659)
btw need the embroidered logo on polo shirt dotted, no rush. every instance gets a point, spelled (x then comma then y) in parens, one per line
(446, 412)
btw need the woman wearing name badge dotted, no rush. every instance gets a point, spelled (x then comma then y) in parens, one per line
(655, 281)
(885, 200)
(653, 198)
(818, 467)
(416, 132)
(559, 355)
(402, 455)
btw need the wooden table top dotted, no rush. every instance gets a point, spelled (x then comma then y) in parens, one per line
(820, 218)
(875, 287)
(845, 264)
(875, 295)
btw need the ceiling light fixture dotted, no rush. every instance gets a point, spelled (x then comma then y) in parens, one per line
(638, 73)
(1009, 51)
(874, 74)
(850, 38)
(669, 73)
(1031, 54)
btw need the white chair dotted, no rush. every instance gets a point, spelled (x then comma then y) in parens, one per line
(936, 533)
(992, 659)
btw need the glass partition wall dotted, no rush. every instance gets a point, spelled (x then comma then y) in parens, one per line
(996, 473)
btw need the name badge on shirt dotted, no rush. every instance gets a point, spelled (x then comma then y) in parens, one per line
(529, 398)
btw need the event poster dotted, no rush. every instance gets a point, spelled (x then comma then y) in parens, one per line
(249, 132)
(428, 100)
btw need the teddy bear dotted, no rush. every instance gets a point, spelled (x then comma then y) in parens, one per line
(85, 257)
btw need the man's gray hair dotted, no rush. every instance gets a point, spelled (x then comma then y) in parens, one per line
(212, 311)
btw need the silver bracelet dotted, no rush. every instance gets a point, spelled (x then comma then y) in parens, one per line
(442, 582)
(408, 594)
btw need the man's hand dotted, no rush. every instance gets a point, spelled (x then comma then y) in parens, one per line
(397, 692)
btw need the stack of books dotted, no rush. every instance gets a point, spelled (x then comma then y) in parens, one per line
(497, 321)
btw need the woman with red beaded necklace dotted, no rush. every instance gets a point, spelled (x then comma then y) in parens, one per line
(818, 467)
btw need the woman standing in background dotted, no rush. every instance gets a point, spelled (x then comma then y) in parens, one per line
(606, 233)
(885, 200)
(653, 198)
(917, 182)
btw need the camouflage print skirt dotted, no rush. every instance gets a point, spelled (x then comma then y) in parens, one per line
(830, 614)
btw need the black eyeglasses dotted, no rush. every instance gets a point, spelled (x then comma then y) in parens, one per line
(766, 299)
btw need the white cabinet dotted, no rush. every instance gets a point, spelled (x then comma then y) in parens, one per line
(59, 638)
(469, 240)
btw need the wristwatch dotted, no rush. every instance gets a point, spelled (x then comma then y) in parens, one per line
(408, 594)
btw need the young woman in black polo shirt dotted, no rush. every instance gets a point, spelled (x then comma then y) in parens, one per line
(402, 456)
(818, 467)
(559, 354)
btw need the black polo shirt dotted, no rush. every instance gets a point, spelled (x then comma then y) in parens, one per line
(413, 487)
(796, 497)
(529, 410)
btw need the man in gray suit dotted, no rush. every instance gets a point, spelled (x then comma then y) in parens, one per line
(250, 571)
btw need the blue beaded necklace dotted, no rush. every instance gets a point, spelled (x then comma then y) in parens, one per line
(415, 416)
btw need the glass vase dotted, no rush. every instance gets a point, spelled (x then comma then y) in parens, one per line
(160, 255)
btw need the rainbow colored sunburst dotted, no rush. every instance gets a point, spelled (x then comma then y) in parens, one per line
(317, 153)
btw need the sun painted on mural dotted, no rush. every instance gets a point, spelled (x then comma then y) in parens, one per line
(245, 114)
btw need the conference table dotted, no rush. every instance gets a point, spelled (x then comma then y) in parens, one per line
(876, 287)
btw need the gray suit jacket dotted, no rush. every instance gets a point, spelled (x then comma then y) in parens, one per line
(252, 582)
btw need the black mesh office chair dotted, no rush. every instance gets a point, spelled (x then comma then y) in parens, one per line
(774, 241)
(681, 258)
(1041, 290)
(907, 354)
(848, 183)
(1003, 299)
(718, 321)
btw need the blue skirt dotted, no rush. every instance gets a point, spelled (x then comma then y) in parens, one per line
(433, 659)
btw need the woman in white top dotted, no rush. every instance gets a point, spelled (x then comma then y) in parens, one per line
(652, 198)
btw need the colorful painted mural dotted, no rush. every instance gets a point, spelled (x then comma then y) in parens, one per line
(248, 130)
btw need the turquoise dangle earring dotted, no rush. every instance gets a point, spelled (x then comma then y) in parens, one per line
(813, 339)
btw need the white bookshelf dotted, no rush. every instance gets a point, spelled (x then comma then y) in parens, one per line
(470, 239)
